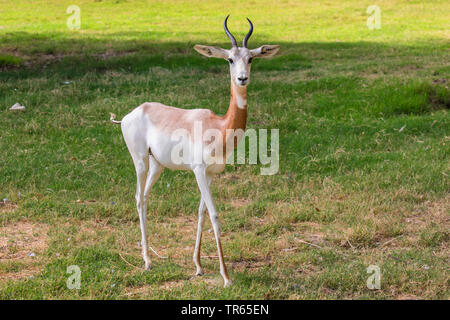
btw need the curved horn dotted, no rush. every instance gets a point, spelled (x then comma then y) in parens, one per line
(244, 42)
(233, 40)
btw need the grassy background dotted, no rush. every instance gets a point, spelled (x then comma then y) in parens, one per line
(364, 145)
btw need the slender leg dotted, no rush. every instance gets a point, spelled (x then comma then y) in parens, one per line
(153, 174)
(141, 165)
(202, 181)
(152, 177)
(198, 242)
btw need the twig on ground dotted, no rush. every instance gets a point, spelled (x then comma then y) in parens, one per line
(351, 246)
(255, 266)
(389, 241)
(132, 293)
(397, 259)
(159, 256)
(120, 255)
(308, 243)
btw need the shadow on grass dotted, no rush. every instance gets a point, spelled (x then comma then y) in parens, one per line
(325, 67)
(138, 51)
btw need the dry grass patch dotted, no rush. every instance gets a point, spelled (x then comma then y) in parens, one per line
(21, 244)
(175, 237)
(436, 211)
(19, 239)
(429, 222)
(250, 263)
(7, 206)
(211, 281)
(239, 203)
(22, 274)
(86, 232)
(303, 233)
(408, 297)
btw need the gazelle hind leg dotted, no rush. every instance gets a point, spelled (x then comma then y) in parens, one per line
(141, 164)
(153, 174)
(202, 181)
(139, 151)
(198, 241)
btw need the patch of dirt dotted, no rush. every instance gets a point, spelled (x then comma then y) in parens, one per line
(408, 297)
(21, 239)
(440, 81)
(430, 212)
(24, 273)
(169, 285)
(7, 206)
(438, 100)
(217, 281)
(238, 203)
(136, 291)
(252, 263)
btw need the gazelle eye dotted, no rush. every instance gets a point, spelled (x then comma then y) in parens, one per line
(230, 60)
(250, 60)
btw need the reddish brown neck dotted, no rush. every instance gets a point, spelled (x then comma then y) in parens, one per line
(236, 116)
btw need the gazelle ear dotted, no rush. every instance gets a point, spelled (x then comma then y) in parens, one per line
(211, 51)
(265, 51)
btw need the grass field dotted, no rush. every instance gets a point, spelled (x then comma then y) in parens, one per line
(364, 150)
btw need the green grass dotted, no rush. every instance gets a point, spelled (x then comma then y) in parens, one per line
(364, 145)
(9, 60)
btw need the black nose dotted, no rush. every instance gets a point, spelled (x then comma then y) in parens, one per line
(243, 79)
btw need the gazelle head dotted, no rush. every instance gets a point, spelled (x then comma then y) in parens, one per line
(239, 58)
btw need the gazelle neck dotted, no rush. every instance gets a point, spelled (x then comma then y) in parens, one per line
(236, 116)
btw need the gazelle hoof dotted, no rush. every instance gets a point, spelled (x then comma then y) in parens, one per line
(148, 267)
(199, 272)
(227, 283)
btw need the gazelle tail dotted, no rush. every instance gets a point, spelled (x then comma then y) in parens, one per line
(113, 116)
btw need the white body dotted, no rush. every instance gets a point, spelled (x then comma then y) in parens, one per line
(142, 135)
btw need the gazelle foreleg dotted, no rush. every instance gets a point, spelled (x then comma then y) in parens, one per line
(198, 241)
(202, 181)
